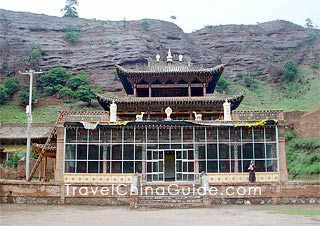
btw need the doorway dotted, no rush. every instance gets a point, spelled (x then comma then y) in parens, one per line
(169, 165)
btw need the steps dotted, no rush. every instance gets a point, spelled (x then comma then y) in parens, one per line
(177, 197)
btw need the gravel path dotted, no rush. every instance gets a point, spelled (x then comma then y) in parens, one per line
(20, 214)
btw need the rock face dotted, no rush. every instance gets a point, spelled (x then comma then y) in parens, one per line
(102, 44)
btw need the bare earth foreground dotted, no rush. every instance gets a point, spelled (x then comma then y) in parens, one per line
(20, 214)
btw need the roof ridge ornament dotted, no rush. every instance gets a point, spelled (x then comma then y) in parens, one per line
(169, 57)
(158, 57)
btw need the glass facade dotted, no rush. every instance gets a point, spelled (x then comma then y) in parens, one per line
(163, 153)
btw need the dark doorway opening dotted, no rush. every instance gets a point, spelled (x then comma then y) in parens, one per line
(169, 166)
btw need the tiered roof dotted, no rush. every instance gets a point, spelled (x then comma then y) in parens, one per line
(177, 72)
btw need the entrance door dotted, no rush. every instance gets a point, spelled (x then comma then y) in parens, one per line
(155, 167)
(169, 165)
(184, 165)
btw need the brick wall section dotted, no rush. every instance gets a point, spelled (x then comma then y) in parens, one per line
(293, 120)
(310, 124)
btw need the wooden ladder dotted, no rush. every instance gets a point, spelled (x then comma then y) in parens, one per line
(39, 160)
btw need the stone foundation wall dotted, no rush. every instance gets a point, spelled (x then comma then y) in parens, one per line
(55, 193)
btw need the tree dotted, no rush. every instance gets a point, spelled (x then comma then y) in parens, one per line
(290, 70)
(12, 84)
(54, 80)
(70, 8)
(66, 92)
(3, 94)
(309, 23)
(35, 52)
(24, 95)
(85, 94)
(75, 81)
(222, 84)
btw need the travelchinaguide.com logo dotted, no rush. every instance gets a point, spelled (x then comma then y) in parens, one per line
(168, 190)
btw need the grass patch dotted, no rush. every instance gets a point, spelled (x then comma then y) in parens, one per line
(298, 212)
(14, 113)
(315, 179)
(301, 95)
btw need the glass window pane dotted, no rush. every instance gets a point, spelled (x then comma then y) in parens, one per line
(93, 152)
(138, 152)
(164, 135)
(223, 134)
(223, 151)
(260, 165)
(70, 151)
(116, 152)
(138, 166)
(190, 154)
(128, 135)
(202, 152)
(128, 152)
(272, 165)
(259, 151)
(82, 135)
(105, 135)
(81, 167)
(258, 134)
(212, 151)
(235, 134)
(152, 135)
(140, 135)
(93, 166)
(71, 135)
(69, 166)
(187, 134)
(200, 134)
(270, 133)
(82, 152)
(246, 134)
(271, 151)
(212, 166)
(176, 135)
(247, 151)
(128, 167)
(224, 166)
(116, 167)
(202, 166)
(94, 136)
(211, 134)
(116, 135)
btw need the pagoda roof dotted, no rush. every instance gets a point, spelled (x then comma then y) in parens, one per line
(179, 71)
(167, 101)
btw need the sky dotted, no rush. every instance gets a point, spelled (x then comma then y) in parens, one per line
(190, 15)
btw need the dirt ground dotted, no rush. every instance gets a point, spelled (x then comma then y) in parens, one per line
(20, 214)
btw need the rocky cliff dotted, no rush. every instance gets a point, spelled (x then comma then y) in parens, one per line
(102, 44)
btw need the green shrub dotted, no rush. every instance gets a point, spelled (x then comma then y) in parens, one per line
(315, 66)
(222, 84)
(290, 70)
(311, 37)
(145, 25)
(35, 52)
(14, 158)
(23, 95)
(240, 75)
(3, 94)
(78, 80)
(248, 81)
(12, 84)
(72, 36)
(303, 155)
